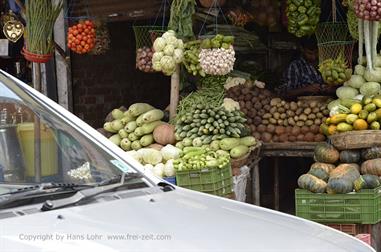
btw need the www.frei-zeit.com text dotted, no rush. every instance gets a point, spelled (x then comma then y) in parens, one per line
(93, 237)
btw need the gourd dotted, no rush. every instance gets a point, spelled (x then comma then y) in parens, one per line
(164, 134)
(371, 153)
(326, 153)
(350, 156)
(312, 183)
(341, 178)
(366, 181)
(321, 170)
(370, 88)
(346, 92)
(372, 167)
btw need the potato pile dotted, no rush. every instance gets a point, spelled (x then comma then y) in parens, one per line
(275, 120)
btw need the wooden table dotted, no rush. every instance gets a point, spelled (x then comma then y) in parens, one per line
(276, 150)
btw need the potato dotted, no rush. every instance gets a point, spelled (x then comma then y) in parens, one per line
(276, 115)
(300, 138)
(265, 122)
(273, 110)
(283, 103)
(300, 123)
(319, 138)
(315, 129)
(252, 113)
(299, 111)
(313, 104)
(248, 97)
(275, 101)
(242, 104)
(285, 123)
(315, 110)
(275, 139)
(290, 113)
(309, 122)
(266, 116)
(291, 121)
(272, 121)
(311, 116)
(281, 110)
(287, 106)
(325, 112)
(289, 129)
(249, 121)
(307, 111)
(319, 115)
(283, 138)
(295, 131)
(267, 107)
(279, 130)
(304, 130)
(303, 117)
(317, 122)
(293, 106)
(266, 137)
(309, 137)
(253, 128)
(283, 116)
(261, 112)
(248, 105)
(291, 138)
(244, 110)
(280, 122)
(258, 105)
(300, 104)
(270, 128)
(257, 120)
(261, 128)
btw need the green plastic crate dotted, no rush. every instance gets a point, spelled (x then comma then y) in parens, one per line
(214, 181)
(362, 207)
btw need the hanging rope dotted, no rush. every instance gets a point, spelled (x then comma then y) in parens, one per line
(334, 11)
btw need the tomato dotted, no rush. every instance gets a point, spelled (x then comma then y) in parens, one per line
(89, 41)
(79, 26)
(83, 43)
(87, 31)
(75, 32)
(77, 41)
(87, 22)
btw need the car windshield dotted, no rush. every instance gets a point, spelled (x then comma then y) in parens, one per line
(37, 145)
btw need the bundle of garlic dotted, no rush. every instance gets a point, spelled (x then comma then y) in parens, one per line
(217, 61)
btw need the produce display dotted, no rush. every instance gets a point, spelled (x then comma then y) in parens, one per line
(275, 120)
(134, 128)
(81, 37)
(352, 114)
(335, 71)
(197, 158)
(217, 55)
(303, 16)
(144, 59)
(342, 172)
(159, 162)
(168, 52)
(191, 58)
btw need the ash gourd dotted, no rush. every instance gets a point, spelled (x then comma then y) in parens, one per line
(368, 13)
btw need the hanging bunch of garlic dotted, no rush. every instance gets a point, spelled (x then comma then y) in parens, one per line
(217, 55)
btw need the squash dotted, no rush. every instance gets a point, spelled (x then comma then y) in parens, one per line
(321, 170)
(164, 134)
(371, 153)
(326, 153)
(350, 156)
(312, 183)
(341, 178)
(371, 181)
(372, 167)
(359, 184)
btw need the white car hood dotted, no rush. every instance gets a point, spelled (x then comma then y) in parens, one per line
(185, 221)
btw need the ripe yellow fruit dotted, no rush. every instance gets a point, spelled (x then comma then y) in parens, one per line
(360, 124)
(356, 108)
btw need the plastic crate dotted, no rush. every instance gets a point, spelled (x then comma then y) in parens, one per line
(214, 181)
(363, 207)
(171, 180)
(360, 231)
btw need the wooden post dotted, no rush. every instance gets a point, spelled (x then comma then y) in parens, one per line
(175, 87)
(37, 133)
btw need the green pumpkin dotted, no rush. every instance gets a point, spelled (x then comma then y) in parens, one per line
(312, 183)
(371, 153)
(350, 156)
(342, 178)
(326, 153)
(321, 170)
(359, 184)
(371, 181)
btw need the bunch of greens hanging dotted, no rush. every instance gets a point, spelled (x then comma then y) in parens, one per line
(40, 18)
(181, 18)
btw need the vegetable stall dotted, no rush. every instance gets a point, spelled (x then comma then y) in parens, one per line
(225, 121)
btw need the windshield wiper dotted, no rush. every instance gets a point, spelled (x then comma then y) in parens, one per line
(105, 186)
(43, 188)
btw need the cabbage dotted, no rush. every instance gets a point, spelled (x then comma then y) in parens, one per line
(148, 167)
(360, 70)
(151, 156)
(373, 75)
(346, 92)
(356, 81)
(333, 104)
(167, 64)
(135, 155)
(159, 44)
(170, 152)
(370, 88)
(178, 56)
(171, 41)
(158, 170)
(180, 44)
(156, 57)
(169, 33)
(156, 66)
(358, 97)
(169, 50)
(169, 170)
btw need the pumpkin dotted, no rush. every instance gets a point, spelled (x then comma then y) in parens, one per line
(371, 153)
(371, 181)
(372, 167)
(326, 153)
(321, 170)
(312, 183)
(359, 184)
(341, 178)
(164, 134)
(350, 156)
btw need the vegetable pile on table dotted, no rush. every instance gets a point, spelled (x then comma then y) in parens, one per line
(157, 161)
(275, 120)
(352, 114)
(217, 55)
(134, 128)
(303, 16)
(335, 71)
(197, 158)
(168, 52)
(339, 172)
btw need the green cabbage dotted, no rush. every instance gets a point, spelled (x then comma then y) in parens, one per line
(346, 92)
(178, 56)
(159, 44)
(356, 81)
(169, 49)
